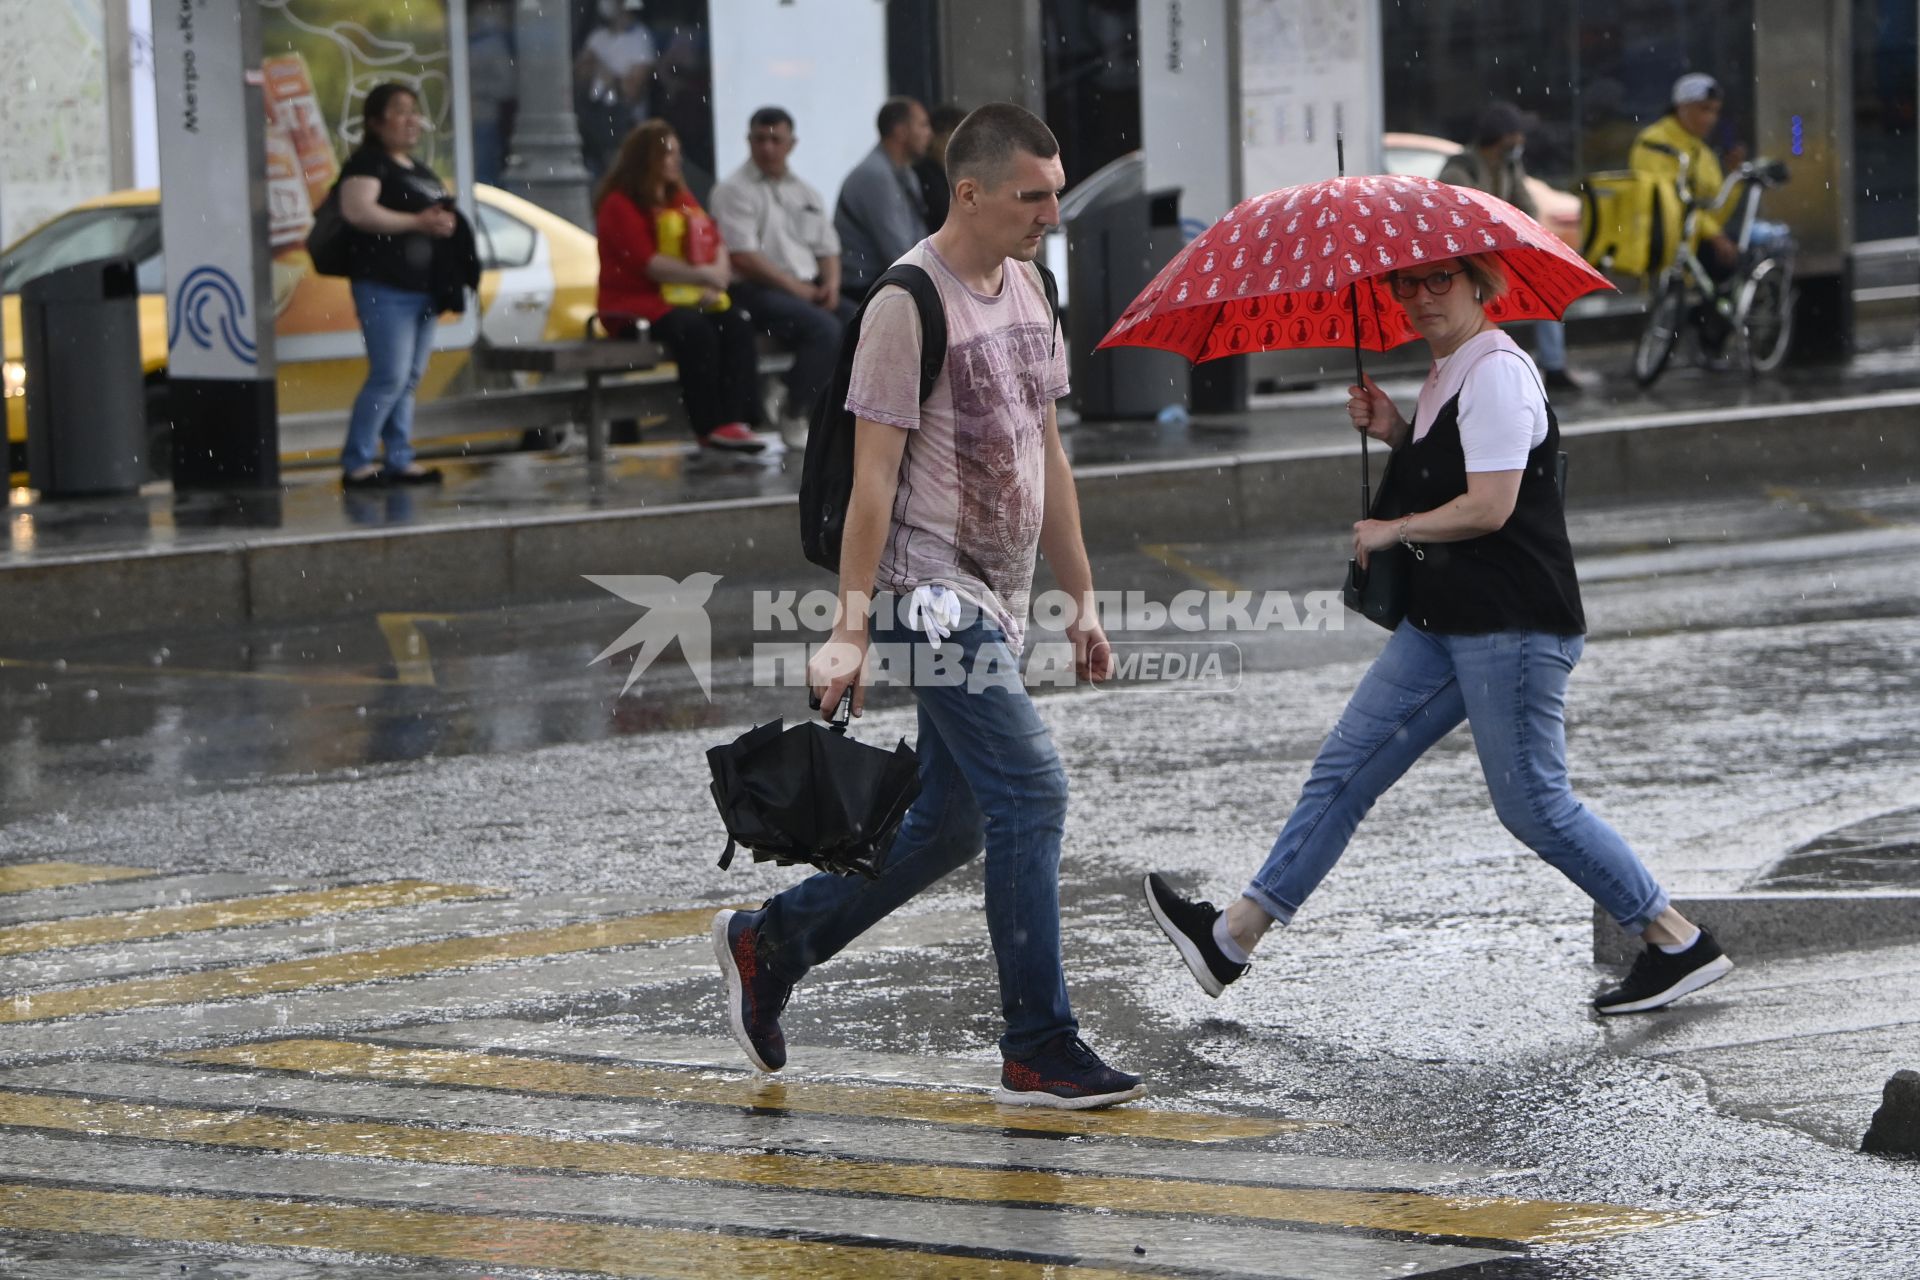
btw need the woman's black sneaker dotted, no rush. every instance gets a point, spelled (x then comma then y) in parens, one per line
(1189, 926)
(1065, 1075)
(1658, 979)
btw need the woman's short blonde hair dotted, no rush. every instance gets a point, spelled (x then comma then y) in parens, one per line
(1484, 272)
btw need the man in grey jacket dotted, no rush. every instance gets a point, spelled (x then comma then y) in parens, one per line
(1492, 164)
(881, 213)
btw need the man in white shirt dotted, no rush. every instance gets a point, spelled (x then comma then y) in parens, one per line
(786, 262)
(614, 77)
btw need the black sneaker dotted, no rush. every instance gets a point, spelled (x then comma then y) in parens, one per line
(1066, 1075)
(1189, 925)
(754, 996)
(1658, 979)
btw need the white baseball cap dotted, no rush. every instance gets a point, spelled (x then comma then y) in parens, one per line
(1695, 86)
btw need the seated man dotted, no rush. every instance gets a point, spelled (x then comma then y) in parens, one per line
(1683, 132)
(881, 212)
(786, 262)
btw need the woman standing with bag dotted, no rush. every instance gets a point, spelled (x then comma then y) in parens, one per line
(662, 261)
(1493, 629)
(405, 224)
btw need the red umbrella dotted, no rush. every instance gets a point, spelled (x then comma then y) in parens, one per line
(1274, 274)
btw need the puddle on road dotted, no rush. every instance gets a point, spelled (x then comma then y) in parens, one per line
(1879, 853)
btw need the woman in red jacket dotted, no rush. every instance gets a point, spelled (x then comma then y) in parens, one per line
(662, 261)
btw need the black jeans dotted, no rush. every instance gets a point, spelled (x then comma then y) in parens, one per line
(811, 332)
(718, 365)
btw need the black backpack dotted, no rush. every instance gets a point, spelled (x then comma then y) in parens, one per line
(826, 474)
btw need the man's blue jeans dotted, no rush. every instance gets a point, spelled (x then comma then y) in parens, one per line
(988, 774)
(398, 325)
(1510, 687)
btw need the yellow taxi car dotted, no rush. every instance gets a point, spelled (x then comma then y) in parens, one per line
(538, 278)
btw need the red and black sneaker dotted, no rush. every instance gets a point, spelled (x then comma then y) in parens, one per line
(1067, 1075)
(754, 996)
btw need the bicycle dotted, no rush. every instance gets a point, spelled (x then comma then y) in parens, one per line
(1754, 303)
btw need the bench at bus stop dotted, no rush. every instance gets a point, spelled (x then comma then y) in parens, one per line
(596, 358)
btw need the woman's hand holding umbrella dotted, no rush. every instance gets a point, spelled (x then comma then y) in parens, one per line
(1373, 413)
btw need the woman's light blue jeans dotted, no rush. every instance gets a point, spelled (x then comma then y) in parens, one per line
(399, 326)
(989, 775)
(1510, 687)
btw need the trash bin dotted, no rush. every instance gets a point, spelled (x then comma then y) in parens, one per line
(1119, 235)
(86, 405)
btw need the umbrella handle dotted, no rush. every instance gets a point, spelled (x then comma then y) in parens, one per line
(842, 714)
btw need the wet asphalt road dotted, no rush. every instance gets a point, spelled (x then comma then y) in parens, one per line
(1750, 684)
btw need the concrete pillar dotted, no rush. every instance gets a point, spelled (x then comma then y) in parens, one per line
(1803, 108)
(990, 51)
(543, 161)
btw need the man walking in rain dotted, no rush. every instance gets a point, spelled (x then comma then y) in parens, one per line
(951, 498)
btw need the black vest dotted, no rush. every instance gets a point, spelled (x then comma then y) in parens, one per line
(1519, 578)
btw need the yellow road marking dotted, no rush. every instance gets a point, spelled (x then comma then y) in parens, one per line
(155, 922)
(600, 1248)
(412, 662)
(1483, 1218)
(409, 961)
(22, 876)
(1167, 556)
(197, 673)
(655, 1084)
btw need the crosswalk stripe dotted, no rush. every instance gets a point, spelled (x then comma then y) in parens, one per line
(354, 967)
(190, 1085)
(1213, 1246)
(23, 876)
(232, 913)
(601, 1248)
(363, 1060)
(137, 893)
(1487, 1218)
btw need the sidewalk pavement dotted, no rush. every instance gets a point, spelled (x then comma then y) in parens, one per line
(526, 527)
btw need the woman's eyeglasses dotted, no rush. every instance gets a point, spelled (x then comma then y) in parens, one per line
(1404, 287)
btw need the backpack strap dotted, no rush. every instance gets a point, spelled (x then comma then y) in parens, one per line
(933, 318)
(1050, 287)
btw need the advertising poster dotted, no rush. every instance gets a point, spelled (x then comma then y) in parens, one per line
(1309, 69)
(319, 60)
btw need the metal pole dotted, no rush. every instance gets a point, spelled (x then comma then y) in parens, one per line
(1359, 371)
(544, 162)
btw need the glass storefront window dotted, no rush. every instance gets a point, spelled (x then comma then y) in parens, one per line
(1886, 149)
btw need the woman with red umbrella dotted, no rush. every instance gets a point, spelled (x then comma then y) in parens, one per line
(1492, 630)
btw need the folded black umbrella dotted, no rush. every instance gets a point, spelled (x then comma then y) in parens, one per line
(812, 794)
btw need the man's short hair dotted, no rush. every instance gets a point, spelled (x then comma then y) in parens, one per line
(770, 118)
(985, 142)
(894, 113)
(1695, 86)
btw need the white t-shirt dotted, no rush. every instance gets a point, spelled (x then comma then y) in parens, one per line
(1503, 412)
(621, 51)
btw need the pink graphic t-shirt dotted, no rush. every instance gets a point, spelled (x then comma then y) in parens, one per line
(972, 485)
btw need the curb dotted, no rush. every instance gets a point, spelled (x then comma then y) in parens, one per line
(1756, 924)
(485, 564)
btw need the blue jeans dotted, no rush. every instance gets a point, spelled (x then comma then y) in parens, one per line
(398, 325)
(1550, 345)
(988, 774)
(1511, 687)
